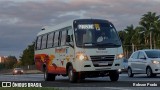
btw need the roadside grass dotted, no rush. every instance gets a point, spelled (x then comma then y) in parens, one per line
(43, 88)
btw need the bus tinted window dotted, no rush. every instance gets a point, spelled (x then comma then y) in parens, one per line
(63, 37)
(56, 38)
(38, 46)
(70, 33)
(95, 34)
(44, 40)
(50, 40)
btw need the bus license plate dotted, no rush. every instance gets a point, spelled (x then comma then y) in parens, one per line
(103, 63)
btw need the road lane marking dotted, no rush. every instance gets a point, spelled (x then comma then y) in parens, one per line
(115, 88)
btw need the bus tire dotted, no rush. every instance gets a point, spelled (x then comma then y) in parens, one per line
(49, 76)
(72, 75)
(114, 75)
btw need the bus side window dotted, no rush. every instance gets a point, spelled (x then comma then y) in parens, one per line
(35, 46)
(63, 37)
(56, 38)
(50, 40)
(38, 46)
(70, 34)
(44, 41)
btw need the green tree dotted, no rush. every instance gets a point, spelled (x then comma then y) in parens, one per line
(129, 34)
(10, 61)
(2, 66)
(18, 64)
(27, 57)
(122, 35)
(156, 32)
(146, 35)
(150, 23)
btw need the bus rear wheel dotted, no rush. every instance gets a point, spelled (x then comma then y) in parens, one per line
(72, 75)
(49, 76)
(114, 75)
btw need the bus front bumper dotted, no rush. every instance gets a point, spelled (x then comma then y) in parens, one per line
(81, 66)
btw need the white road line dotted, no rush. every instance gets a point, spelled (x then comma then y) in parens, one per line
(116, 88)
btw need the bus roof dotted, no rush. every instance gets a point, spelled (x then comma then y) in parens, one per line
(56, 27)
(48, 29)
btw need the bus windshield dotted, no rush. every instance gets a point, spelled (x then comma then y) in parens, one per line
(96, 34)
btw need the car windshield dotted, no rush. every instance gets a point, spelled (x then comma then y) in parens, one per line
(97, 34)
(17, 69)
(153, 54)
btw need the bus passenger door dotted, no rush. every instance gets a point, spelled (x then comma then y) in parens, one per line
(62, 53)
(56, 62)
(69, 56)
(66, 50)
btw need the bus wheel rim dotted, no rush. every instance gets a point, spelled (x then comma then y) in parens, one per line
(70, 74)
(45, 74)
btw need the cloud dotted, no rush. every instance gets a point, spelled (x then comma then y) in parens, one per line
(21, 20)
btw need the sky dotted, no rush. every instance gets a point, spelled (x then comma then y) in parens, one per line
(21, 20)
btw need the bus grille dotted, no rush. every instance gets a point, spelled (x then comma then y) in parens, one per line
(102, 60)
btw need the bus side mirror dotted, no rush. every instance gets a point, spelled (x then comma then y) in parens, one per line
(68, 39)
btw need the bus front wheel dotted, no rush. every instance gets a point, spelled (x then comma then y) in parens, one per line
(114, 75)
(72, 75)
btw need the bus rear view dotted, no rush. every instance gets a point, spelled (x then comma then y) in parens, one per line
(92, 49)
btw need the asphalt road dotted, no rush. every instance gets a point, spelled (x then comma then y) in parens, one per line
(39, 77)
(101, 83)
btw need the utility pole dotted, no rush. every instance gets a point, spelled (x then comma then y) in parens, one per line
(150, 39)
(132, 47)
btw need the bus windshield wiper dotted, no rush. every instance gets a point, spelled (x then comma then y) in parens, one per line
(113, 44)
(89, 43)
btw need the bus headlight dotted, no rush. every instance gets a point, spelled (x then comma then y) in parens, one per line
(82, 57)
(119, 56)
(155, 62)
